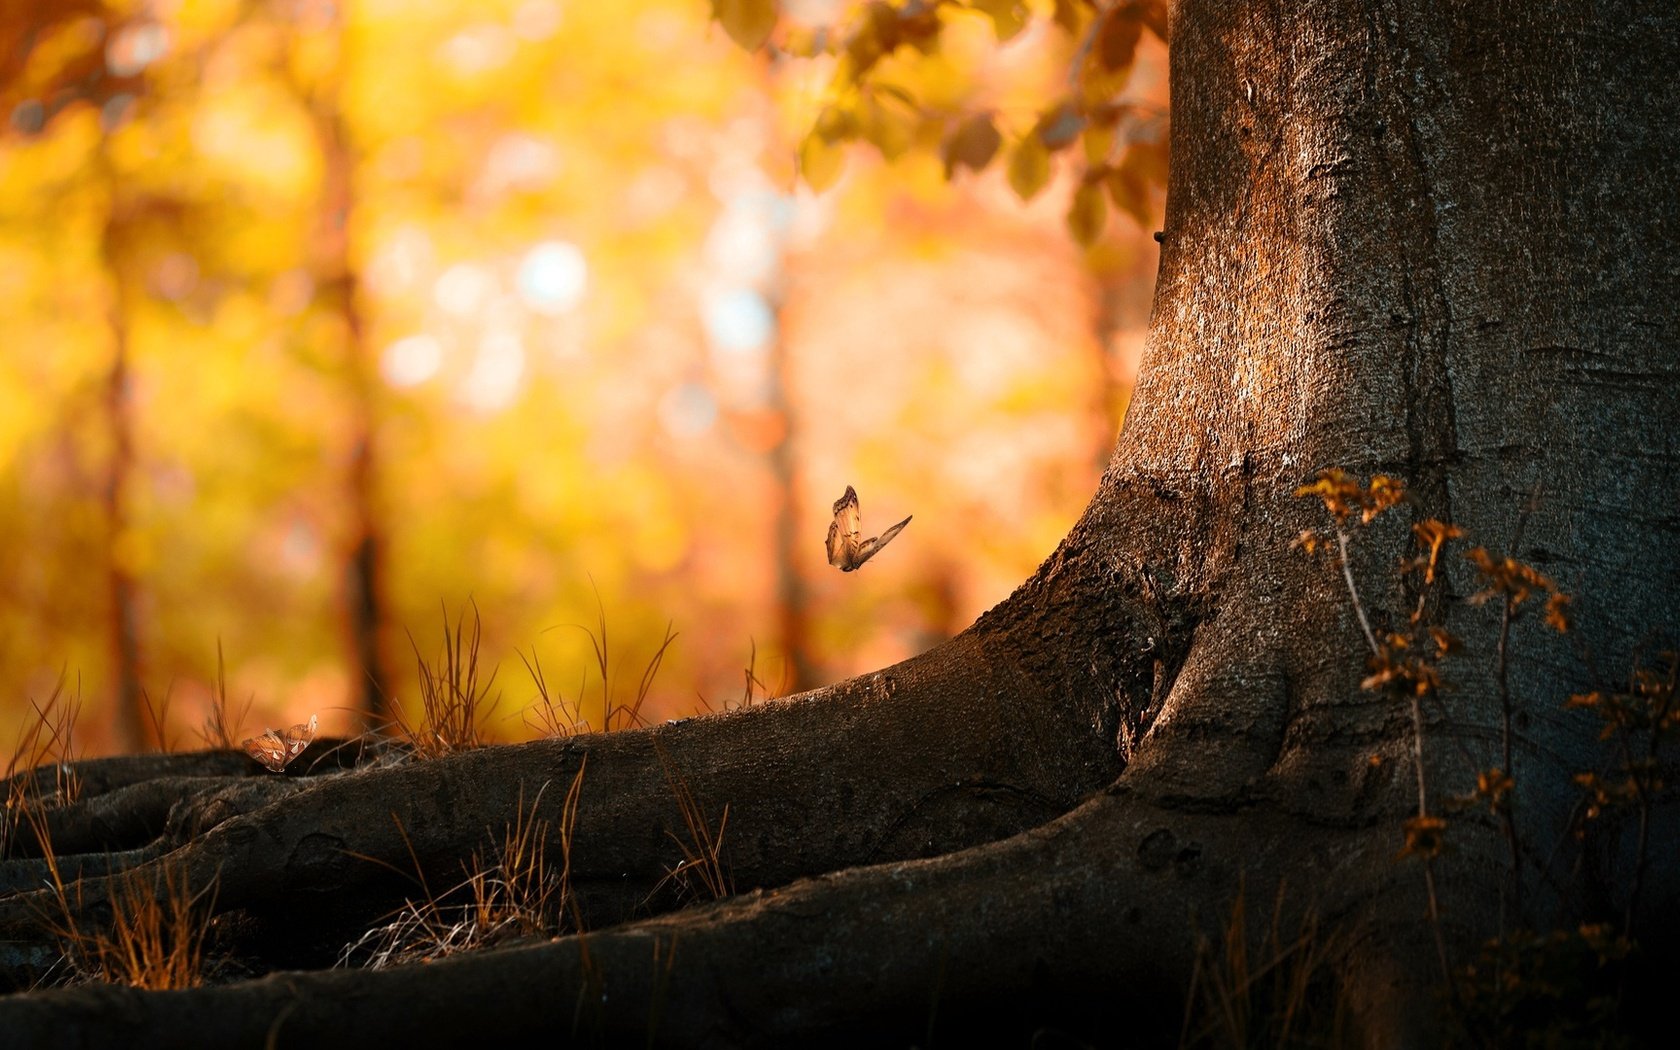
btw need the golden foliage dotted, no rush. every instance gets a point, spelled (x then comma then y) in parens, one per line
(479, 253)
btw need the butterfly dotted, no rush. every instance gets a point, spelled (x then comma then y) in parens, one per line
(276, 748)
(845, 549)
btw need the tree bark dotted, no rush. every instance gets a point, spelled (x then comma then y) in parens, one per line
(1424, 240)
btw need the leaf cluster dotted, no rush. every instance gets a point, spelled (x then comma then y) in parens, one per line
(872, 98)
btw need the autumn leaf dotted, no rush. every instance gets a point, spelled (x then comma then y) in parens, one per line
(1086, 215)
(1337, 488)
(1309, 540)
(1129, 194)
(1494, 785)
(1153, 13)
(748, 22)
(1099, 140)
(1008, 17)
(1433, 534)
(1118, 38)
(1058, 126)
(887, 119)
(820, 161)
(1029, 167)
(1383, 492)
(1557, 612)
(972, 145)
(1072, 16)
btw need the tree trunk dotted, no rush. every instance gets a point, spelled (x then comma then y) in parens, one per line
(339, 291)
(1433, 243)
(117, 405)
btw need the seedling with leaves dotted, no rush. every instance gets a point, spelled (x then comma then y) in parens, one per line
(1520, 982)
(1403, 664)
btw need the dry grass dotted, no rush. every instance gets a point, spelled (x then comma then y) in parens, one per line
(218, 730)
(753, 690)
(513, 890)
(454, 704)
(157, 929)
(1277, 991)
(155, 940)
(550, 714)
(702, 873)
(617, 714)
(48, 739)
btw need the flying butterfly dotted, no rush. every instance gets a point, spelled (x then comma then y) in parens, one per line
(846, 550)
(276, 748)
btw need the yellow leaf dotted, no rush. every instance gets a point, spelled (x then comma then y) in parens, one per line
(1029, 167)
(806, 42)
(820, 161)
(1087, 214)
(1099, 143)
(1072, 16)
(1008, 17)
(748, 22)
(886, 123)
(1129, 194)
(835, 125)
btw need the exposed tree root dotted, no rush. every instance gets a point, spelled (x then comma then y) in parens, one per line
(954, 748)
(1083, 919)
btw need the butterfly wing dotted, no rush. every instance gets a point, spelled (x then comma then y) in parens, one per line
(299, 737)
(872, 546)
(268, 749)
(275, 750)
(843, 531)
(836, 547)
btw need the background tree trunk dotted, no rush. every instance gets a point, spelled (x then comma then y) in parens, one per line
(1399, 239)
(338, 284)
(117, 406)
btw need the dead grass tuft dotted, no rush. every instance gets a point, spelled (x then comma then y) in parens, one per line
(552, 715)
(1275, 991)
(46, 740)
(454, 704)
(512, 890)
(702, 873)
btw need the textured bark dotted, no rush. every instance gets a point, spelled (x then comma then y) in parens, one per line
(1430, 241)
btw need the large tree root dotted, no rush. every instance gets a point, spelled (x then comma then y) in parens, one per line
(969, 866)
(1091, 919)
(954, 748)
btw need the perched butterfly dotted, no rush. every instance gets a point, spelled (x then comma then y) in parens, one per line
(845, 549)
(276, 748)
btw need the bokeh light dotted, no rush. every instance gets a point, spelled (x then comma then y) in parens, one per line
(523, 298)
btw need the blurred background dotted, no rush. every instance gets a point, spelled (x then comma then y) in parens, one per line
(322, 322)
